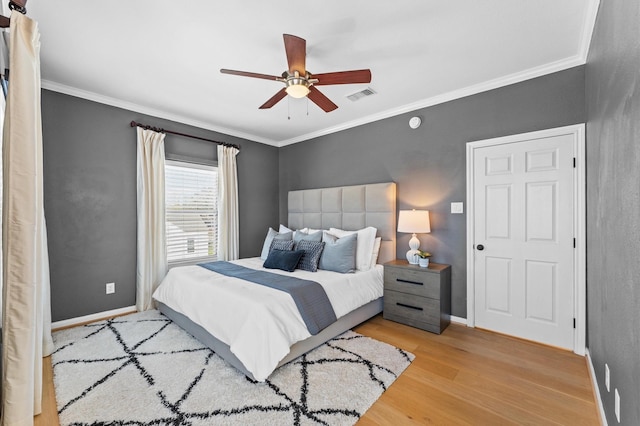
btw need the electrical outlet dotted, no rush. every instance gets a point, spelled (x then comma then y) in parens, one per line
(617, 406)
(607, 377)
(111, 288)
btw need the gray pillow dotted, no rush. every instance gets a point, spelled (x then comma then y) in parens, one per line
(339, 254)
(301, 235)
(271, 235)
(286, 245)
(312, 252)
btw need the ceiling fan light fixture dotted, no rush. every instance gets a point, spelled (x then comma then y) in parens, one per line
(299, 90)
(297, 87)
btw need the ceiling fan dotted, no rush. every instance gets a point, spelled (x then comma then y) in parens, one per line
(299, 82)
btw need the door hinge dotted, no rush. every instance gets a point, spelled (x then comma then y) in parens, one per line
(574, 243)
(574, 323)
(574, 162)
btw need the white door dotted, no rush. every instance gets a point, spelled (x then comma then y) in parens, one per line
(524, 239)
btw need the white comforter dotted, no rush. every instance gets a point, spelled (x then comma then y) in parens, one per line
(259, 323)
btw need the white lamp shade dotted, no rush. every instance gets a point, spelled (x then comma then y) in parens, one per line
(414, 221)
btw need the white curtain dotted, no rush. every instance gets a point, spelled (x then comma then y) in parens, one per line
(26, 320)
(228, 228)
(152, 252)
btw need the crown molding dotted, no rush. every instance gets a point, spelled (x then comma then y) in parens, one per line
(589, 26)
(579, 59)
(130, 106)
(447, 97)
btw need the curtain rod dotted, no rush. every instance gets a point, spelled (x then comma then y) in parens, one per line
(158, 129)
(18, 6)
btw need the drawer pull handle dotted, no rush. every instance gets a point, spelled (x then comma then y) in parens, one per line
(409, 306)
(408, 282)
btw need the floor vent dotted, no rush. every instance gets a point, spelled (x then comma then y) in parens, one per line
(361, 94)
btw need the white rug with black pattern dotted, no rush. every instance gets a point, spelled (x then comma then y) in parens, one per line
(142, 369)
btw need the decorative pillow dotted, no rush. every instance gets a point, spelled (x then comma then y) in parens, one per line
(271, 235)
(311, 257)
(286, 245)
(376, 251)
(285, 260)
(364, 248)
(339, 254)
(308, 236)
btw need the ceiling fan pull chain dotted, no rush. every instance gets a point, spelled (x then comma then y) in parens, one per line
(288, 108)
(307, 107)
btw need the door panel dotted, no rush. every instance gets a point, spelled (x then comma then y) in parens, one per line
(498, 289)
(541, 212)
(523, 217)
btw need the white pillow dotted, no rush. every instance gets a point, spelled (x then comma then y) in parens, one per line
(364, 247)
(376, 251)
(283, 230)
(271, 235)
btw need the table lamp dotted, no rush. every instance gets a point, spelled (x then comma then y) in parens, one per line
(414, 222)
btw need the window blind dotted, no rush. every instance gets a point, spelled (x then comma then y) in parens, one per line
(191, 212)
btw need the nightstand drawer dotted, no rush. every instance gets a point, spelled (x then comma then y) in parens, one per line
(411, 310)
(420, 283)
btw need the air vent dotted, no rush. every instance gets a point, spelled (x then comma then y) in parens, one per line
(361, 94)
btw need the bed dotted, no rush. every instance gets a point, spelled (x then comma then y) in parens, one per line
(254, 343)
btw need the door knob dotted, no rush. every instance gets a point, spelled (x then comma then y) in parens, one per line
(480, 247)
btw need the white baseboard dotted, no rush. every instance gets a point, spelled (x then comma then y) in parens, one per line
(459, 320)
(596, 389)
(93, 317)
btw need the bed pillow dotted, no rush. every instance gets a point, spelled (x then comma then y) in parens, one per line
(283, 230)
(376, 251)
(364, 247)
(286, 245)
(273, 235)
(285, 260)
(311, 257)
(339, 254)
(302, 234)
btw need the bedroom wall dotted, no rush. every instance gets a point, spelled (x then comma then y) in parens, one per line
(613, 202)
(90, 198)
(428, 163)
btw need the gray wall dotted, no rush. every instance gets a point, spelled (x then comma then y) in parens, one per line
(90, 198)
(429, 163)
(613, 205)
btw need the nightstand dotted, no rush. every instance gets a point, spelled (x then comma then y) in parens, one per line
(419, 297)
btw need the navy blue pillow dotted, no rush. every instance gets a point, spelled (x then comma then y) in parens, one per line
(285, 260)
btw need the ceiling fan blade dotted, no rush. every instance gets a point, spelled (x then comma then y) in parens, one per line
(296, 49)
(321, 100)
(249, 74)
(274, 99)
(343, 77)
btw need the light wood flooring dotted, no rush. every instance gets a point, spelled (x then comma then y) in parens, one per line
(464, 376)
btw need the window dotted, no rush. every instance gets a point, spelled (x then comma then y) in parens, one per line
(191, 194)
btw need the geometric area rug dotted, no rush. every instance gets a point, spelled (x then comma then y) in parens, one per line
(142, 369)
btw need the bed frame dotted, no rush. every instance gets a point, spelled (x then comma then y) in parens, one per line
(345, 207)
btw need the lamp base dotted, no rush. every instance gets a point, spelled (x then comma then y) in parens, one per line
(412, 257)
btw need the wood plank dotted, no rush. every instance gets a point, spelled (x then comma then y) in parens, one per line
(463, 376)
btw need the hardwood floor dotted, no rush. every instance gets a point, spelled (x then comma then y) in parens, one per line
(463, 376)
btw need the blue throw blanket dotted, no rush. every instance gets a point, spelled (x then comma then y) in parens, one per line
(309, 296)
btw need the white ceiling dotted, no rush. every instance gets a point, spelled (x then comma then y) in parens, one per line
(163, 58)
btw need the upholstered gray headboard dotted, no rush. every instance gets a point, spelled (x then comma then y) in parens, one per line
(349, 208)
